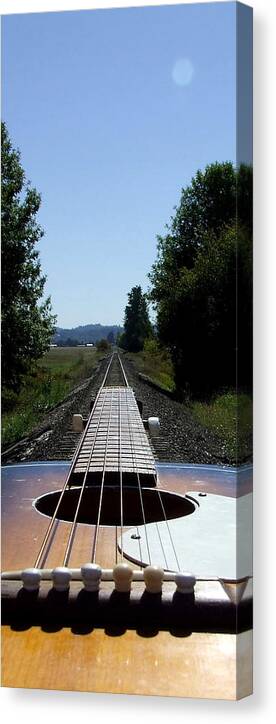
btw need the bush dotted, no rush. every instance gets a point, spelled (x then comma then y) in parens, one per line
(151, 347)
(9, 399)
(102, 345)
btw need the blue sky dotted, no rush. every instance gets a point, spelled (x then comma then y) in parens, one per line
(113, 112)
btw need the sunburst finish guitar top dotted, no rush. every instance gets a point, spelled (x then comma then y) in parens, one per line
(113, 505)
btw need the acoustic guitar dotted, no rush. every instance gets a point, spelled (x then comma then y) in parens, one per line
(120, 574)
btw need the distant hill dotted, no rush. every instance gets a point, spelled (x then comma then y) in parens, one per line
(87, 333)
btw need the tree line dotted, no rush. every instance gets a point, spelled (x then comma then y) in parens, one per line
(200, 283)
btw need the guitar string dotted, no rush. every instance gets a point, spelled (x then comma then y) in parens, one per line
(140, 491)
(168, 528)
(39, 562)
(103, 383)
(120, 472)
(121, 483)
(116, 544)
(74, 524)
(75, 520)
(134, 465)
(119, 422)
(161, 545)
(96, 532)
(139, 546)
(158, 530)
(165, 518)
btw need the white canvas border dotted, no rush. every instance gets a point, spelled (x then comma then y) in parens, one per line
(41, 704)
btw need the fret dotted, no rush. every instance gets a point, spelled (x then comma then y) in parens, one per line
(115, 440)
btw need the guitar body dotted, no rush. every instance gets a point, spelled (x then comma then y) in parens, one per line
(118, 659)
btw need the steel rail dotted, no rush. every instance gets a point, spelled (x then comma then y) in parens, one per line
(114, 355)
(123, 371)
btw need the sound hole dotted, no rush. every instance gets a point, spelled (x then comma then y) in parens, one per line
(174, 505)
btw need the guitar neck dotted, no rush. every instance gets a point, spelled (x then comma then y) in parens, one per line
(115, 446)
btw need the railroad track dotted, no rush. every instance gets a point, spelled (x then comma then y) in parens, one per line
(181, 438)
(115, 375)
(62, 438)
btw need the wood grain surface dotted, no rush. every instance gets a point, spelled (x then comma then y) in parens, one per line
(107, 660)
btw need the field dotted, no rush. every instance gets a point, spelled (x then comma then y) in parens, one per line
(61, 369)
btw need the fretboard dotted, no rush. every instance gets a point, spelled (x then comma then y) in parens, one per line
(115, 444)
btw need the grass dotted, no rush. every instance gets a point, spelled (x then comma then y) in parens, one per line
(155, 362)
(227, 414)
(57, 373)
(230, 417)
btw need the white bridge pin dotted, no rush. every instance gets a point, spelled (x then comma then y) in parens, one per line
(31, 578)
(91, 576)
(153, 577)
(122, 575)
(77, 423)
(185, 582)
(154, 426)
(61, 577)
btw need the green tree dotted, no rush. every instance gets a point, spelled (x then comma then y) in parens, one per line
(137, 326)
(208, 204)
(110, 337)
(27, 322)
(203, 265)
